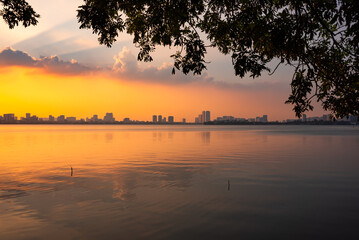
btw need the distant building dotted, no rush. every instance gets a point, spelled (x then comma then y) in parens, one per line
(9, 117)
(51, 118)
(71, 119)
(28, 116)
(170, 119)
(200, 118)
(196, 120)
(154, 118)
(183, 120)
(228, 118)
(61, 118)
(159, 118)
(109, 118)
(164, 120)
(126, 120)
(208, 116)
(265, 118)
(304, 117)
(93, 119)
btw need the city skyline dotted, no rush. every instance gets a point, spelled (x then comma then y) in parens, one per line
(55, 68)
(202, 118)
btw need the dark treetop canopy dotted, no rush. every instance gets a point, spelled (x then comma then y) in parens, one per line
(15, 11)
(318, 38)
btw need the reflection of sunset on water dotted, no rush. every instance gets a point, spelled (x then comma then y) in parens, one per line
(144, 177)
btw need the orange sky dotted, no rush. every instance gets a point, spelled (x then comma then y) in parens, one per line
(36, 91)
(118, 83)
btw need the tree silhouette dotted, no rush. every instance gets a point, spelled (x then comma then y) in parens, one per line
(18, 11)
(319, 39)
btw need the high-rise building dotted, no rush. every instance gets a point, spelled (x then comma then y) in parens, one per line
(265, 118)
(28, 116)
(159, 118)
(170, 119)
(164, 120)
(109, 118)
(208, 116)
(196, 120)
(154, 118)
(183, 120)
(51, 118)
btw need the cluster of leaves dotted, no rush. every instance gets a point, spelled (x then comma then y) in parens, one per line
(15, 11)
(318, 38)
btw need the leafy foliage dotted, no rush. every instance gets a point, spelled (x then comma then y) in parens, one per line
(318, 38)
(15, 11)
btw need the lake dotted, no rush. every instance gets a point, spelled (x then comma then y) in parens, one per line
(179, 182)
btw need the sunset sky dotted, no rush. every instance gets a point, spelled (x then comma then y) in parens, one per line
(56, 68)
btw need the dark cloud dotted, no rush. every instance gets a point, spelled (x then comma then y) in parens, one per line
(55, 65)
(11, 57)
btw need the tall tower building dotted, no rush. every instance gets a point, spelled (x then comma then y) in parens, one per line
(265, 118)
(170, 119)
(154, 118)
(208, 116)
(159, 118)
(203, 116)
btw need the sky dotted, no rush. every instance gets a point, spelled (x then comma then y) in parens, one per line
(56, 68)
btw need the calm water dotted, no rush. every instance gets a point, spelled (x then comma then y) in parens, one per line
(179, 182)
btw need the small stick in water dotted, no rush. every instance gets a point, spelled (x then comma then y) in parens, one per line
(229, 185)
(72, 172)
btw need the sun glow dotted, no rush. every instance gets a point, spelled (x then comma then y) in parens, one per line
(42, 93)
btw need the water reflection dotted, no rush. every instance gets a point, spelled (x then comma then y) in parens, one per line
(206, 137)
(170, 183)
(109, 137)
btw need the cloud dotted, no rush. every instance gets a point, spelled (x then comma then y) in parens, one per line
(55, 65)
(127, 66)
(11, 57)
